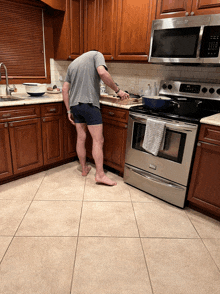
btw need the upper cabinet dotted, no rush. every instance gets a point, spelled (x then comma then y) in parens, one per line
(56, 4)
(68, 31)
(178, 8)
(119, 29)
(134, 20)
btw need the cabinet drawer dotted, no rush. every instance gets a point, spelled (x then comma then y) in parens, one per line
(19, 112)
(210, 134)
(51, 109)
(114, 113)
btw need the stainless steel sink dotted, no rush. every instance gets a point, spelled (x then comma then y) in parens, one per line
(7, 98)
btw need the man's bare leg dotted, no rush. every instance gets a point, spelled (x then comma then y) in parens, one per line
(96, 132)
(80, 147)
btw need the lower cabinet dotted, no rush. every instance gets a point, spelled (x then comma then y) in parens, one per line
(5, 150)
(69, 137)
(115, 134)
(204, 189)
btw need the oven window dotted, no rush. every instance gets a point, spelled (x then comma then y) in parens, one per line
(173, 146)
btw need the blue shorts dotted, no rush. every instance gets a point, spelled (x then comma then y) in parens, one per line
(86, 113)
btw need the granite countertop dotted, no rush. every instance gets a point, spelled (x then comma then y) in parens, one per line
(51, 98)
(211, 120)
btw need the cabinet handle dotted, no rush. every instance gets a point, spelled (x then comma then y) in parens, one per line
(199, 144)
(6, 125)
(187, 13)
(126, 126)
(112, 57)
(11, 124)
(6, 115)
(52, 109)
(111, 113)
(192, 13)
(43, 119)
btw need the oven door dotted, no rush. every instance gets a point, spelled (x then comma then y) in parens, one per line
(174, 161)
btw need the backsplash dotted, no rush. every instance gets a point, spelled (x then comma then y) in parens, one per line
(134, 77)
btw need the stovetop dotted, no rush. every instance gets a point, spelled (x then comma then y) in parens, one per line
(207, 94)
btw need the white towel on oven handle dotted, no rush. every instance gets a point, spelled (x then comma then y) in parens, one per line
(154, 136)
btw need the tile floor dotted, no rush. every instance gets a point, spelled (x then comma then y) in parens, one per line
(60, 233)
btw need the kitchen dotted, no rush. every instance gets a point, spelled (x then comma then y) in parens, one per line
(168, 228)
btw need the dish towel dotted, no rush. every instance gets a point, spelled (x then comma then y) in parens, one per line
(154, 136)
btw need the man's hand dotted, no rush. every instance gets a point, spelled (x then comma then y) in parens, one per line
(123, 95)
(70, 117)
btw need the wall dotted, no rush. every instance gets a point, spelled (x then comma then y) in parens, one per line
(134, 77)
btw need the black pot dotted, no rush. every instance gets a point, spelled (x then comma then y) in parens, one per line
(186, 107)
(133, 95)
(157, 102)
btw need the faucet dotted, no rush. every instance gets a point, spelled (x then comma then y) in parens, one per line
(8, 89)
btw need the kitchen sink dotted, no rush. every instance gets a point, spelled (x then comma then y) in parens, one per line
(7, 98)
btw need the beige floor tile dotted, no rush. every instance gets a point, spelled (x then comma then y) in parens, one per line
(110, 266)
(4, 242)
(159, 219)
(62, 183)
(22, 189)
(97, 192)
(51, 218)
(213, 246)
(206, 227)
(108, 219)
(36, 265)
(11, 214)
(140, 196)
(180, 266)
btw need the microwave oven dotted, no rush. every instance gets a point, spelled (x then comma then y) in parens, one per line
(191, 40)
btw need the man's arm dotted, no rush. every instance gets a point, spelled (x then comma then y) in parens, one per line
(65, 92)
(107, 79)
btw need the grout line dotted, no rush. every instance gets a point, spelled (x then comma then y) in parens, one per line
(22, 219)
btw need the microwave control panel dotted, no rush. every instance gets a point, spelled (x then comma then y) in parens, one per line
(210, 42)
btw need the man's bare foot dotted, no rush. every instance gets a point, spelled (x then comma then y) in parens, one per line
(86, 170)
(104, 180)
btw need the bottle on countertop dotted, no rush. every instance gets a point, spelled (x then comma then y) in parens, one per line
(147, 92)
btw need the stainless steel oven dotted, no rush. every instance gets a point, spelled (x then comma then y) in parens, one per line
(165, 175)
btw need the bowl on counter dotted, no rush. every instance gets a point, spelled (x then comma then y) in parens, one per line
(35, 89)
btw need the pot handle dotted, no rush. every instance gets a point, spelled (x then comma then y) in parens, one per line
(174, 102)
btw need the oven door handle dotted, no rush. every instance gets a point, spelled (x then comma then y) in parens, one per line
(170, 126)
(154, 179)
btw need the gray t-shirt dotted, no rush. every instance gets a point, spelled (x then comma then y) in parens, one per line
(84, 79)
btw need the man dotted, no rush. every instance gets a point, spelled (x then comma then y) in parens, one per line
(81, 92)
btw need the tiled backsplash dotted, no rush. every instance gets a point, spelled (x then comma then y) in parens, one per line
(134, 77)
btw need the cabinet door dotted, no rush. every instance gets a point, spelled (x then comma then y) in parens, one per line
(52, 133)
(26, 145)
(5, 150)
(175, 8)
(69, 138)
(115, 135)
(206, 7)
(68, 31)
(133, 29)
(204, 190)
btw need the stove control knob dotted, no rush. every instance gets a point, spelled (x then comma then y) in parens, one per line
(170, 87)
(218, 91)
(204, 90)
(164, 86)
(211, 90)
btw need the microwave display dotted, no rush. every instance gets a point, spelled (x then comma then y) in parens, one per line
(210, 42)
(175, 43)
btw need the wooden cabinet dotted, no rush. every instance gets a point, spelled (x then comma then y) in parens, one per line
(204, 189)
(68, 31)
(5, 150)
(100, 26)
(52, 132)
(20, 144)
(175, 8)
(69, 137)
(115, 134)
(119, 29)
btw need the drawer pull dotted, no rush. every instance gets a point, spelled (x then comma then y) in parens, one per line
(43, 119)
(6, 115)
(6, 125)
(52, 109)
(199, 144)
(111, 113)
(11, 124)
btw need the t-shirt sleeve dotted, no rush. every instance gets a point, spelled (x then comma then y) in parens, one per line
(100, 60)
